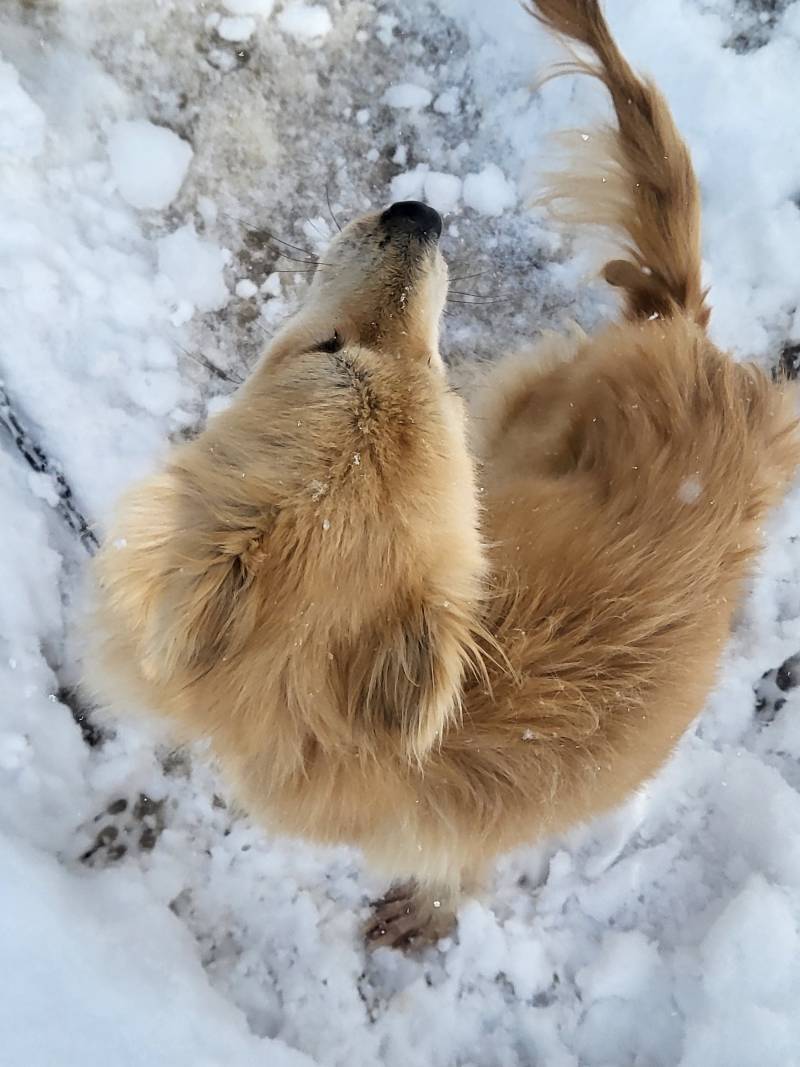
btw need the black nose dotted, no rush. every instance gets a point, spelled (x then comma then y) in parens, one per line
(412, 217)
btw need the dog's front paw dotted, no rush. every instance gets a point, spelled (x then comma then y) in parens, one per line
(409, 917)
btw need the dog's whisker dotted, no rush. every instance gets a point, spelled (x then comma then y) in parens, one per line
(467, 277)
(209, 365)
(495, 269)
(476, 296)
(253, 228)
(328, 202)
(317, 230)
(478, 301)
(279, 240)
(312, 264)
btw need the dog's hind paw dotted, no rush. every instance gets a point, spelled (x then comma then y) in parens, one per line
(409, 917)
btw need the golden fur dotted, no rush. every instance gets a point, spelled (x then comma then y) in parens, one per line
(308, 583)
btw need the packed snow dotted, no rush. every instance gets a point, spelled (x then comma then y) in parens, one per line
(21, 120)
(305, 21)
(408, 96)
(249, 7)
(153, 157)
(148, 162)
(442, 191)
(489, 192)
(236, 28)
(195, 269)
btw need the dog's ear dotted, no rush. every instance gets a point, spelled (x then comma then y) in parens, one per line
(402, 676)
(170, 583)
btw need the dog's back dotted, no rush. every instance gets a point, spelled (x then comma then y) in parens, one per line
(628, 477)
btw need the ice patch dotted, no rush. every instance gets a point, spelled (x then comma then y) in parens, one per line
(149, 163)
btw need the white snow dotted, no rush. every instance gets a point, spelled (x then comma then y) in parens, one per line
(195, 268)
(446, 103)
(62, 934)
(245, 288)
(408, 185)
(489, 192)
(690, 490)
(666, 934)
(249, 7)
(22, 122)
(305, 22)
(408, 96)
(238, 28)
(442, 191)
(272, 285)
(43, 486)
(149, 163)
(217, 404)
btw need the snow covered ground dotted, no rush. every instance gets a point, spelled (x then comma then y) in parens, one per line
(152, 154)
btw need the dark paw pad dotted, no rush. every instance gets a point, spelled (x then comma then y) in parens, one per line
(408, 918)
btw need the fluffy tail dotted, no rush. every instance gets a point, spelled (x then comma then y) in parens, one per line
(646, 189)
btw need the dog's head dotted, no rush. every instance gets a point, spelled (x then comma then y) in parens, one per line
(397, 525)
(390, 542)
(315, 552)
(381, 284)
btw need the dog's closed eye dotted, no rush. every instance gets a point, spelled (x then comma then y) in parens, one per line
(332, 344)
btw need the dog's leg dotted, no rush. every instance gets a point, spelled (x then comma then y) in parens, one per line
(411, 916)
(414, 914)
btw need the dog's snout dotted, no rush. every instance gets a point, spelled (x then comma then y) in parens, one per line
(413, 218)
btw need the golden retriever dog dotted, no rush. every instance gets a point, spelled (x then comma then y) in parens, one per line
(377, 660)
